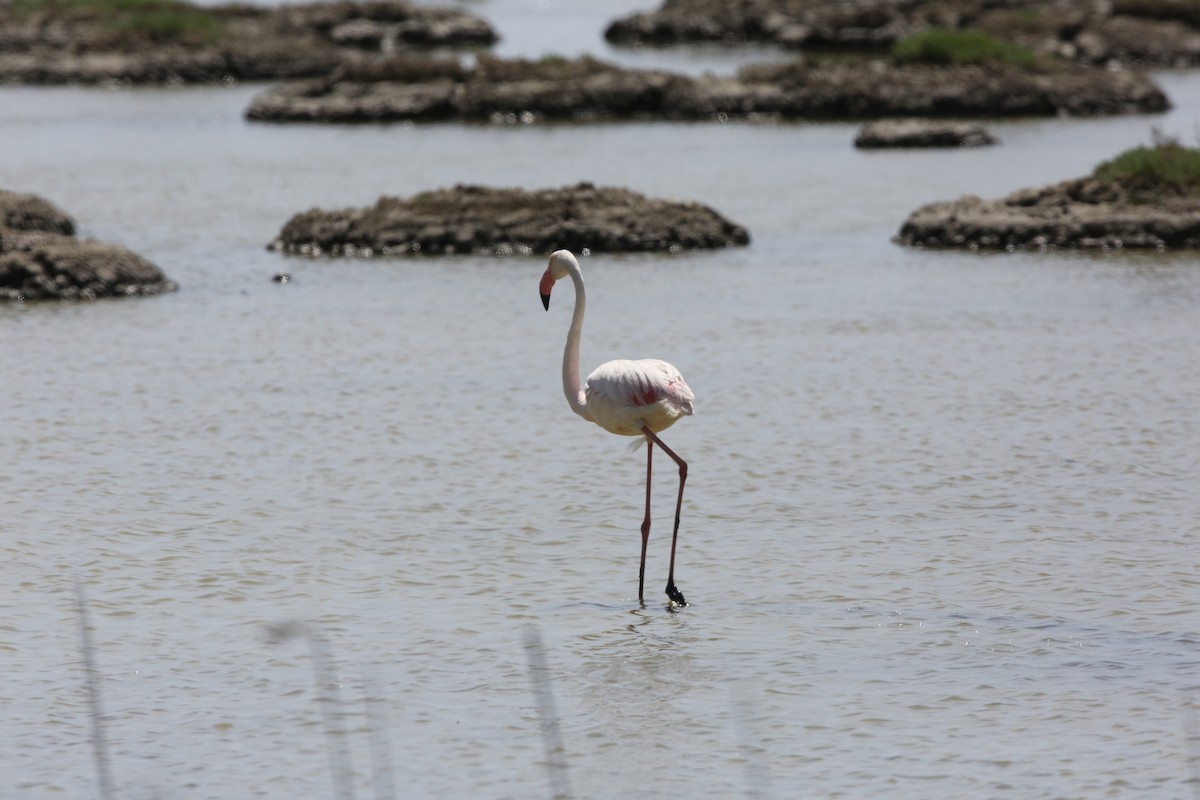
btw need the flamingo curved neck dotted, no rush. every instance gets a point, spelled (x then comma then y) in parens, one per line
(570, 372)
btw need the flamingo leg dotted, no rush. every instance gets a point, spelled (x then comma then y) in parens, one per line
(645, 522)
(672, 592)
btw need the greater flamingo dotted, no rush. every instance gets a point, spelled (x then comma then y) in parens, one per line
(628, 398)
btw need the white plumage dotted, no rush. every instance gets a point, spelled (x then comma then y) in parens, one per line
(628, 398)
(624, 395)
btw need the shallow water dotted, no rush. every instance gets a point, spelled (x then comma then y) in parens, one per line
(940, 527)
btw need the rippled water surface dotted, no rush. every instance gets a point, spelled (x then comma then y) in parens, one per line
(940, 527)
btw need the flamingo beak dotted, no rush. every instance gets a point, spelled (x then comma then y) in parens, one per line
(544, 288)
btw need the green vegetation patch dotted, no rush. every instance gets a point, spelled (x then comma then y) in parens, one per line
(170, 25)
(1166, 168)
(941, 46)
(145, 20)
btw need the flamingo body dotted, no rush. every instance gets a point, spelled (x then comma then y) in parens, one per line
(628, 398)
(624, 396)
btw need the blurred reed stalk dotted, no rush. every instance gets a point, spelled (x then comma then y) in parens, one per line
(92, 681)
(757, 775)
(328, 700)
(543, 690)
(1191, 741)
(378, 725)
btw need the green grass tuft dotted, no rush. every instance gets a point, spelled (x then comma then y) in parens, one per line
(153, 20)
(940, 46)
(170, 25)
(1166, 168)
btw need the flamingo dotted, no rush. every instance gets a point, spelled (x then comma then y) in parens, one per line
(628, 398)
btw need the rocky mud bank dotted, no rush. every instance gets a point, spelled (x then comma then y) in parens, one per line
(1134, 32)
(500, 90)
(90, 43)
(1079, 213)
(886, 133)
(41, 258)
(498, 221)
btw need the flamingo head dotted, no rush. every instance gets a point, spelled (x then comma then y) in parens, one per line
(561, 262)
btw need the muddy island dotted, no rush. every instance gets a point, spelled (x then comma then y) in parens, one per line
(1148, 197)
(902, 133)
(407, 88)
(493, 221)
(1134, 32)
(172, 41)
(41, 259)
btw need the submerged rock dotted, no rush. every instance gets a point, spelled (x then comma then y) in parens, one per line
(45, 42)
(40, 258)
(492, 221)
(1136, 32)
(1079, 213)
(921, 133)
(408, 88)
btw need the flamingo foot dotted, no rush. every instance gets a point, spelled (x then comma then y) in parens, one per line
(675, 595)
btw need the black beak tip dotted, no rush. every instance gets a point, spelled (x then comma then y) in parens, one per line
(546, 302)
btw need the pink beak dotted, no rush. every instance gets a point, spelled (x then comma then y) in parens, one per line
(544, 288)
